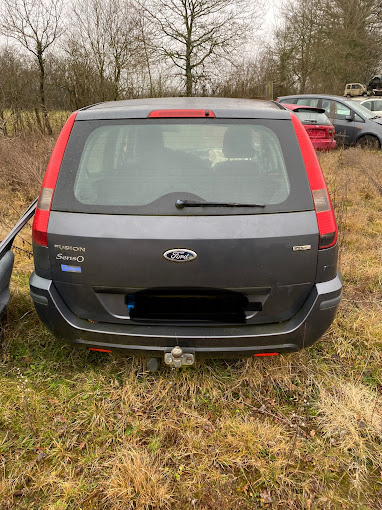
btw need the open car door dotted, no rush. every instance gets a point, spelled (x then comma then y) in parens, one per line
(6, 255)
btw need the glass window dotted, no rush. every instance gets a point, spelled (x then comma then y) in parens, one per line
(135, 165)
(368, 105)
(377, 105)
(360, 109)
(308, 101)
(311, 117)
(335, 110)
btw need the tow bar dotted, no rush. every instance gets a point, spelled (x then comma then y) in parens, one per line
(177, 358)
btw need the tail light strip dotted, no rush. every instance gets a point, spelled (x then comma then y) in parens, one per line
(180, 113)
(41, 218)
(326, 221)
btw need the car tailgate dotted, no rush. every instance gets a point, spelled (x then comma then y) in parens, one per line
(99, 260)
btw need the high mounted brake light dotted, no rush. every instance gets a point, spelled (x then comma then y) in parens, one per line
(161, 114)
(41, 217)
(326, 220)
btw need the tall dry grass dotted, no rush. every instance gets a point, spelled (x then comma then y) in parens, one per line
(23, 162)
(301, 432)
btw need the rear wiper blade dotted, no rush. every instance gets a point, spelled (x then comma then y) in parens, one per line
(192, 203)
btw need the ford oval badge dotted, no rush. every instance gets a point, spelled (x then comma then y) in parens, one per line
(179, 255)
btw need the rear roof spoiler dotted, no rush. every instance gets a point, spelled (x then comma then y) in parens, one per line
(309, 109)
(6, 243)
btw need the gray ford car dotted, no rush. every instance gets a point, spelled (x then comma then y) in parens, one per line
(181, 228)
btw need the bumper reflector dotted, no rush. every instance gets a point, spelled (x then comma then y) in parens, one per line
(99, 350)
(266, 354)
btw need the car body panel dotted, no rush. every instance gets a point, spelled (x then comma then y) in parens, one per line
(374, 105)
(321, 136)
(6, 266)
(355, 89)
(322, 144)
(375, 85)
(252, 254)
(6, 255)
(221, 107)
(303, 329)
(260, 263)
(348, 131)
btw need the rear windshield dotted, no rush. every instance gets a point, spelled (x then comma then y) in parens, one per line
(144, 166)
(311, 117)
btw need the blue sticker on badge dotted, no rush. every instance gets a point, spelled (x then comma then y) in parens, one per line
(71, 269)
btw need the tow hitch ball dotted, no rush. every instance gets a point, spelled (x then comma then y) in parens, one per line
(177, 358)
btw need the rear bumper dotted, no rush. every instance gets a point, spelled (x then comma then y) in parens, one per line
(302, 330)
(324, 145)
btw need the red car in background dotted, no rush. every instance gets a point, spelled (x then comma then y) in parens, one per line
(319, 128)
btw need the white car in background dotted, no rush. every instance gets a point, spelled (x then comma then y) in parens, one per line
(355, 89)
(374, 105)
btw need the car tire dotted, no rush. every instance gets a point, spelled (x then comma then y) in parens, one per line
(368, 142)
(348, 95)
(364, 94)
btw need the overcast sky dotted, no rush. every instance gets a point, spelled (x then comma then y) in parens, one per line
(270, 16)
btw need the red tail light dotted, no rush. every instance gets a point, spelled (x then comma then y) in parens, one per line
(327, 226)
(261, 354)
(99, 350)
(41, 217)
(180, 113)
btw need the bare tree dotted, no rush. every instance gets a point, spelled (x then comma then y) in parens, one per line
(35, 25)
(298, 43)
(75, 79)
(124, 41)
(107, 33)
(354, 52)
(321, 45)
(17, 81)
(193, 33)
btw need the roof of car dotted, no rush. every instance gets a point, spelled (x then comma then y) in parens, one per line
(222, 108)
(324, 96)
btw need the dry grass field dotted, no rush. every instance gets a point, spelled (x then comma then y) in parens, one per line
(81, 430)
